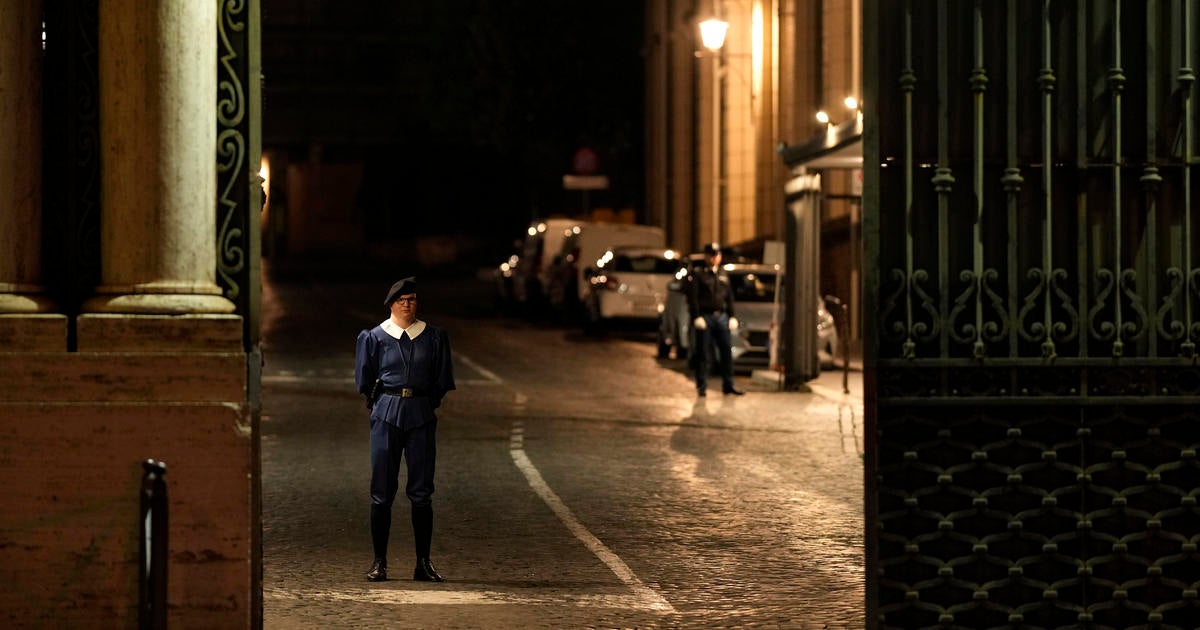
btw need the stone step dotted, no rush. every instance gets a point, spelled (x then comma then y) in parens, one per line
(102, 377)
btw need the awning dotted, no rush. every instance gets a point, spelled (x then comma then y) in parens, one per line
(839, 147)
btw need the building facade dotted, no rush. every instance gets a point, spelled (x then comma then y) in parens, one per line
(129, 209)
(719, 123)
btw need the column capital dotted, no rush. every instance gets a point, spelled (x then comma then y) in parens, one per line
(25, 303)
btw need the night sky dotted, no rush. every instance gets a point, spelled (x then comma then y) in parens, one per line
(465, 112)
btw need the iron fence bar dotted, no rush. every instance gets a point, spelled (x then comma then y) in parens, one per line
(1151, 180)
(1083, 241)
(1116, 82)
(943, 176)
(1046, 80)
(978, 82)
(1172, 316)
(1187, 78)
(908, 83)
(1012, 179)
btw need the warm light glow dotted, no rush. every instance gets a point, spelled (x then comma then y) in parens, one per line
(669, 254)
(823, 117)
(712, 33)
(851, 102)
(264, 173)
(533, 231)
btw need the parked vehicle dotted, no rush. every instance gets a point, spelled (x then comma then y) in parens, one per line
(754, 301)
(628, 283)
(583, 246)
(524, 279)
(674, 325)
(504, 275)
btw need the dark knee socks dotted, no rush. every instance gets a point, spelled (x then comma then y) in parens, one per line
(422, 520)
(381, 525)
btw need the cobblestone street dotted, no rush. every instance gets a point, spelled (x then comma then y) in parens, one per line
(580, 483)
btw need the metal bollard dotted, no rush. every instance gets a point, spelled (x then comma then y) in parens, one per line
(152, 554)
(843, 326)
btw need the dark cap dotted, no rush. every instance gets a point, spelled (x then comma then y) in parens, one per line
(712, 249)
(402, 287)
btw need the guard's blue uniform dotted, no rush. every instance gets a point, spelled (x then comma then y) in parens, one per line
(403, 426)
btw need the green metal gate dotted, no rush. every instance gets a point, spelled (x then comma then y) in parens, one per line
(1032, 248)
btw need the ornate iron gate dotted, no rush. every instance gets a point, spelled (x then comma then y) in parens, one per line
(1032, 252)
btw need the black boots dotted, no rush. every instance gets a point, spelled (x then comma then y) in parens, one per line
(422, 520)
(378, 572)
(425, 571)
(381, 525)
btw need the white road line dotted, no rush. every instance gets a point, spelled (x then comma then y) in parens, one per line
(377, 595)
(646, 597)
(488, 374)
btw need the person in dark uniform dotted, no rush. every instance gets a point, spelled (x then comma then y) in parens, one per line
(710, 305)
(404, 369)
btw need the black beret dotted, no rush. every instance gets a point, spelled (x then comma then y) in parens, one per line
(712, 249)
(401, 287)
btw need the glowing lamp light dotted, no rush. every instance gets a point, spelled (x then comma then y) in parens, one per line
(823, 117)
(712, 33)
(851, 102)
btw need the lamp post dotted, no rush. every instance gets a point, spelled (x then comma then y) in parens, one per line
(712, 35)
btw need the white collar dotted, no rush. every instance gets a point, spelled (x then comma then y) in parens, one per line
(392, 328)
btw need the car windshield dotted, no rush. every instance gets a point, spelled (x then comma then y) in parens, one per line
(749, 286)
(645, 264)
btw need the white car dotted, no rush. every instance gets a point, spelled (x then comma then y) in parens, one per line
(754, 301)
(628, 283)
(583, 246)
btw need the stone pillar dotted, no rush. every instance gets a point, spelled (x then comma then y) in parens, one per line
(158, 74)
(21, 158)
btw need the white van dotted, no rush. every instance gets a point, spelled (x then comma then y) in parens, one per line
(535, 262)
(584, 245)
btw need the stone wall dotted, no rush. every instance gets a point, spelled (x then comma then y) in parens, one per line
(74, 430)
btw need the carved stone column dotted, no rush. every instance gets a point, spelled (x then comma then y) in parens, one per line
(21, 290)
(158, 70)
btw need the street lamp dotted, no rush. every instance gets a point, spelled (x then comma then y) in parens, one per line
(712, 36)
(712, 33)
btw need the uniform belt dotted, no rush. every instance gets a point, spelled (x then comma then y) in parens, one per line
(406, 392)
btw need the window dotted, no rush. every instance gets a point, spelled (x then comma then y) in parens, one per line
(645, 264)
(749, 286)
